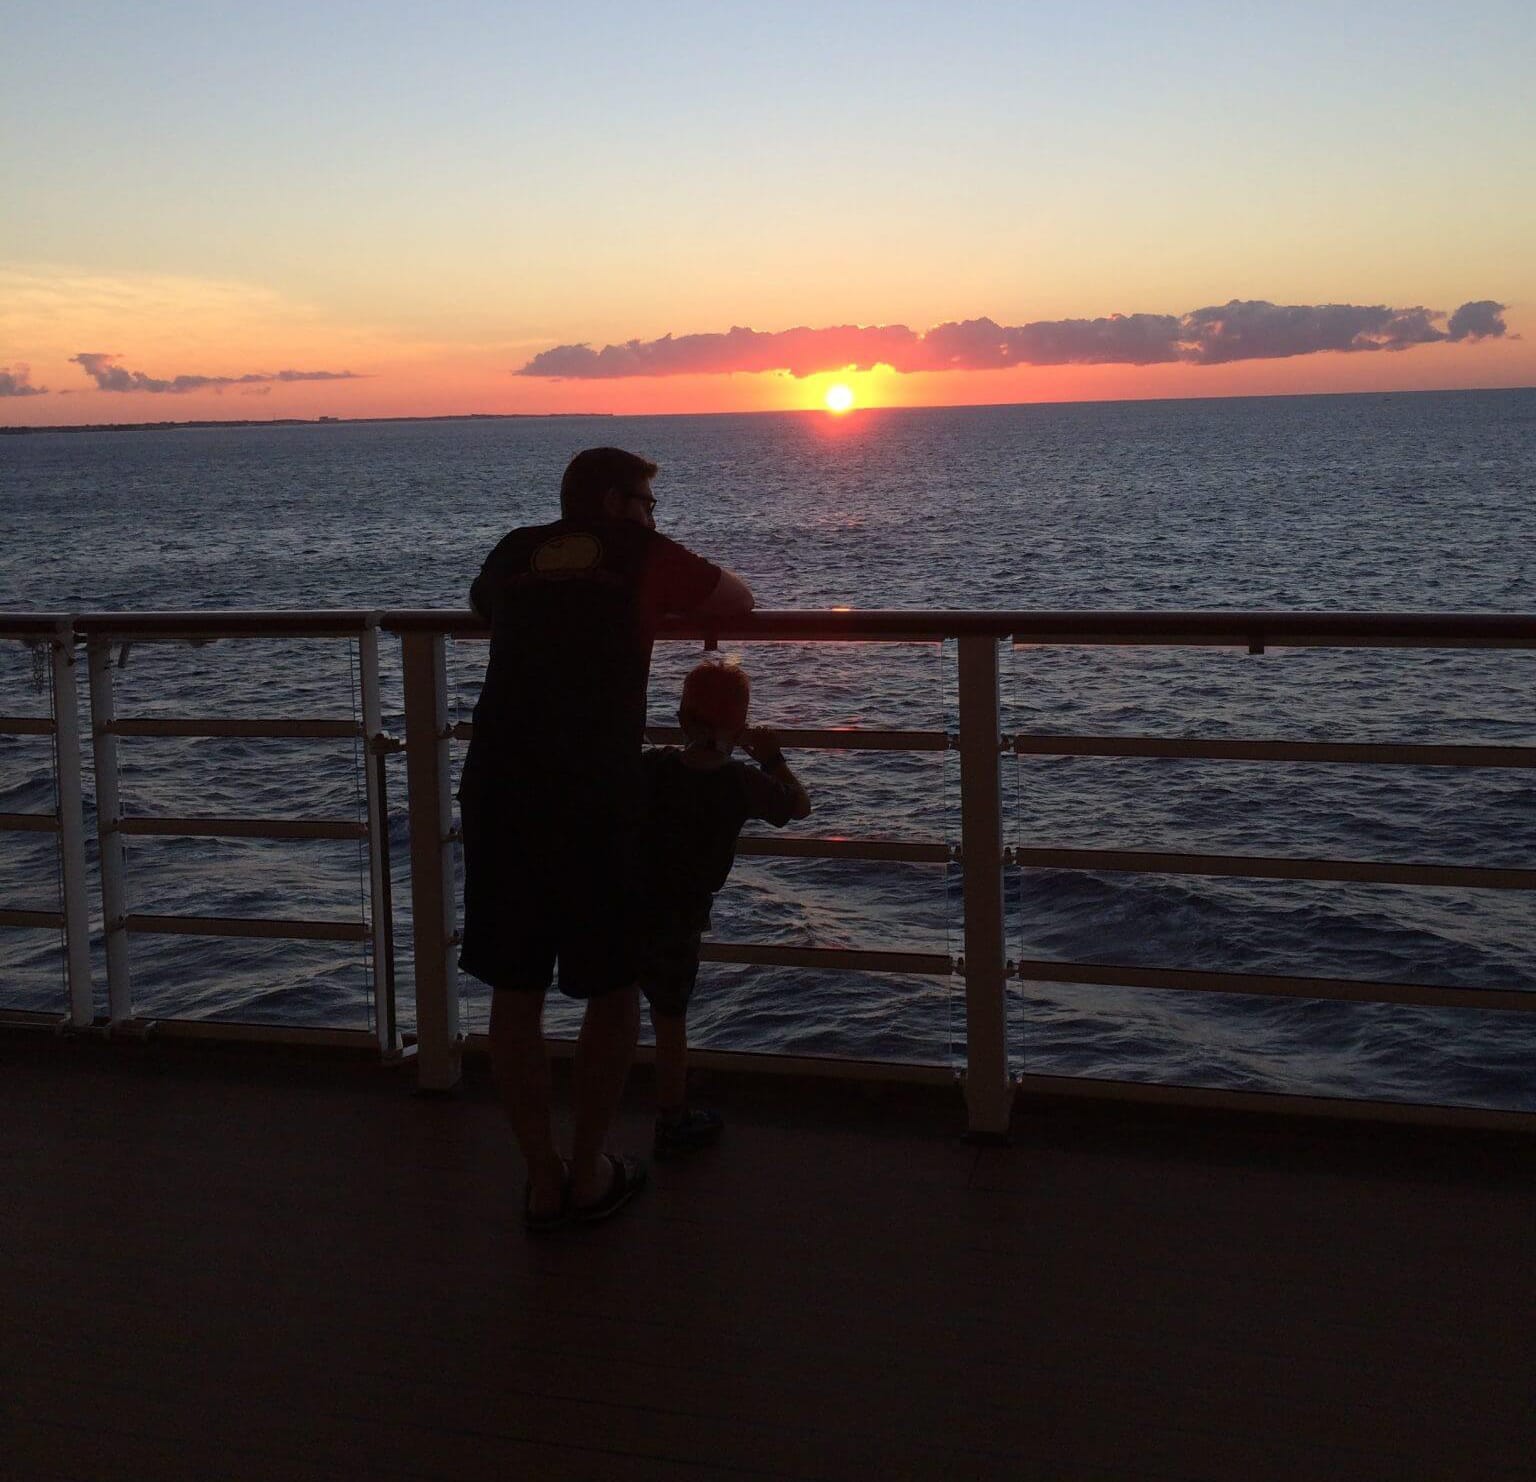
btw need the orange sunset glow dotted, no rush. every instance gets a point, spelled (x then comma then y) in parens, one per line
(468, 241)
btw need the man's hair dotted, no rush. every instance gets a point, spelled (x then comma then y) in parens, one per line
(591, 474)
(715, 697)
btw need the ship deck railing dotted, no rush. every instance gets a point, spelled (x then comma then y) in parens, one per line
(982, 851)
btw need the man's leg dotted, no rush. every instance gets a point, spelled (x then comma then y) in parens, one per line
(523, 1078)
(604, 1050)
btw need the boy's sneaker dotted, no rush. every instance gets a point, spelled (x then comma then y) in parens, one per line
(686, 1131)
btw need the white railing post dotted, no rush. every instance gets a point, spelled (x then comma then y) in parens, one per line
(988, 1090)
(432, 884)
(109, 813)
(76, 908)
(379, 904)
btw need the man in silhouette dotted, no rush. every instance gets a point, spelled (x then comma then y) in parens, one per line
(550, 800)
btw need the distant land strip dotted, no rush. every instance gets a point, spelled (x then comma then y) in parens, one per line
(292, 422)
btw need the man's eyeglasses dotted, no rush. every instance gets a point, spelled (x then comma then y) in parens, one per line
(647, 500)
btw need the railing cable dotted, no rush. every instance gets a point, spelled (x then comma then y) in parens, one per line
(946, 657)
(455, 821)
(44, 675)
(58, 813)
(1013, 877)
(360, 759)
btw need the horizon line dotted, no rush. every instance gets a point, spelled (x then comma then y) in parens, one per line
(326, 420)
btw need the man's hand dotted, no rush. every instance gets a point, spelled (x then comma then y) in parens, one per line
(762, 743)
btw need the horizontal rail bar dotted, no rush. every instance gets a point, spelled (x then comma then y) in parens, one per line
(247, 926)
(29, 1019)
(32, 625)
(267, 727)
(245, 828)
(836, 959)
(1273, 1103)
(757, 1062)
(759, 627)
(902, 851)
(248, 623)
(1279, 629)
(235, 1031)
(1046, 1089)
(1269, 867)
(820, 1067)
(831, 738)
(51, 919)
(450, 622)
(26, 725)
(1364, 753)
(28, 823)
(1255, 642)
(1237, 628)
(1040, 1089)
(835, 738)
(1346, 990)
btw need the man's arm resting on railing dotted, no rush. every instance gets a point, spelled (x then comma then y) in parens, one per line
(731, 597)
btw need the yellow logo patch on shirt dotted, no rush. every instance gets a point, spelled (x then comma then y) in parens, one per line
(567, 555)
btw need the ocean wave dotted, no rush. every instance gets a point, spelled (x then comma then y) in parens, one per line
(1312, 504)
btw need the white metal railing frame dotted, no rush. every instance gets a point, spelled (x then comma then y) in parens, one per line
(982, 848)
(99, 633)
(52, 631)
(984, 965)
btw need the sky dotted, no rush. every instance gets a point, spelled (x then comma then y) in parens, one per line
(220, 210)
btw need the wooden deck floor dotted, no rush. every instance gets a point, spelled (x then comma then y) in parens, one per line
(236, 1265)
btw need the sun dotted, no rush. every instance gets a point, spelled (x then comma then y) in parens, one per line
(839, 398)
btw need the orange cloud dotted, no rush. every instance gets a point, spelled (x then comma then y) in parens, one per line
(109, 376)
(1244, 329)
(16, 380)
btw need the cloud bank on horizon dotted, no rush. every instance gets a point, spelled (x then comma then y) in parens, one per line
(1244, 329)
(16, 380)
(110, 376)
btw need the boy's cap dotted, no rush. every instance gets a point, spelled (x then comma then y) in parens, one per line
(717, 695)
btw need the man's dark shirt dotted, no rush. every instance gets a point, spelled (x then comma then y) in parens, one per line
(692, 818)
(573, 608)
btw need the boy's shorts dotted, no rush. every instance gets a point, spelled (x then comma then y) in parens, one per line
(667, 960)
(536, 896)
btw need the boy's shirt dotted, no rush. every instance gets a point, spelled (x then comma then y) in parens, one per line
(693, 817)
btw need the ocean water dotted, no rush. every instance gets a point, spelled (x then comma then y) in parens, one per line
(1420, 502)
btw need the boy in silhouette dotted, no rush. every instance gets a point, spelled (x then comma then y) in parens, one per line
(550, 801)
(696, 800)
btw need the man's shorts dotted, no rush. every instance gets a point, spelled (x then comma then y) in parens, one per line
(667, 959)
(541, 894)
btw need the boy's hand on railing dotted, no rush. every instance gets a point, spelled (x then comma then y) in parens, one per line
(761, 743)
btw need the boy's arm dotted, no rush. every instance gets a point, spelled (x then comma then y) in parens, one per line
(761, 743)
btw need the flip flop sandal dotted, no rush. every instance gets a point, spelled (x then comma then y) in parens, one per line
(625, 1181)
